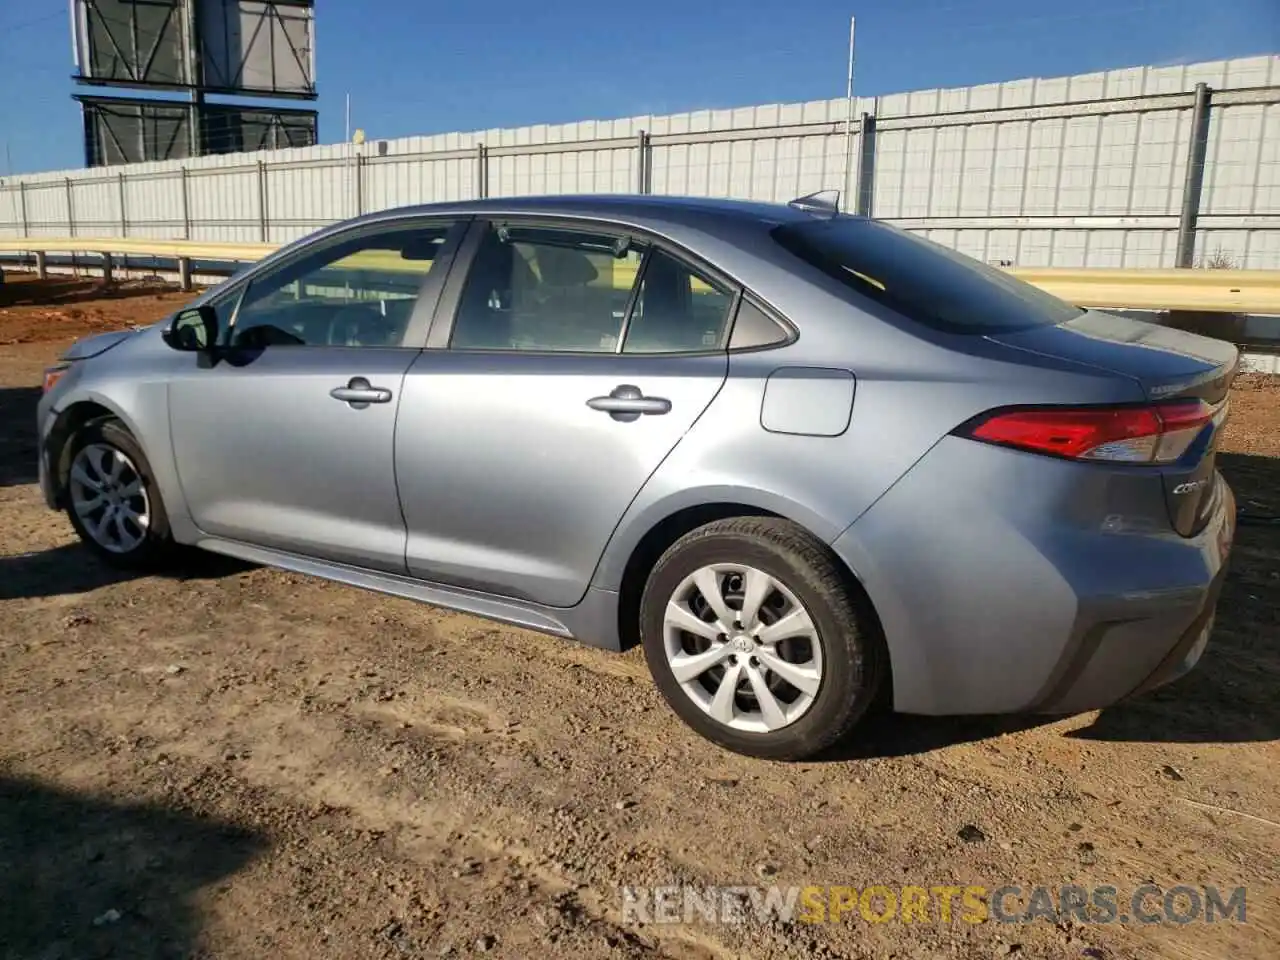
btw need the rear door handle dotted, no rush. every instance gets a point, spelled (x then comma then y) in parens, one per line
(626, 402)
(359, 393)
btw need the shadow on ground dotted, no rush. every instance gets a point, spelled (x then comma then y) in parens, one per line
(73, 568)
(82, 876)
(18, 463)
(1229, 697)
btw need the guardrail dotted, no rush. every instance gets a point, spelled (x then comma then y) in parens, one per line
(1192, 290)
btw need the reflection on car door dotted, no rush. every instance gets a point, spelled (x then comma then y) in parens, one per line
(287, 441)
(518, 451)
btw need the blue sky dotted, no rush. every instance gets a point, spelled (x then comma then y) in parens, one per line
(414, 66)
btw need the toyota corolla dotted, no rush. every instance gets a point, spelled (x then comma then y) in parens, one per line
(810, 461)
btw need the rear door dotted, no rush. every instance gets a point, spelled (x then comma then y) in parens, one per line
(571, 362)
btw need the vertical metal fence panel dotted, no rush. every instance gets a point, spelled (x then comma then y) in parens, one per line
(154, 205)
(891, 164)
(303, 198)
(47, 209)
(224, 205)
(1009, 173)
(96, 206)
(1242, 179)
(1069, 181)
(11, 220)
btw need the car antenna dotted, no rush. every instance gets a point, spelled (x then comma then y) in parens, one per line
(824, 203)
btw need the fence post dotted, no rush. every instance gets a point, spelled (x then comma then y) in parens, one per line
(262, 201)
(71, 224)
(186, 212)
(124, 218)
(71, 210)
(482, 171)
(359, 184)
(866, 165)
(643, 181)
(22, 206)
(1193, 184)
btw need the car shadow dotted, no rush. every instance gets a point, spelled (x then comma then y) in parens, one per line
(884, 734)
(1228, 698)
(83, 876)
(18, 444)
(73, 568)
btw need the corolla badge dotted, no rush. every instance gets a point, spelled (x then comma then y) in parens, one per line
(1191, 486)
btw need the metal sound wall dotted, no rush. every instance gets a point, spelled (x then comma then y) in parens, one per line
(1088, 170)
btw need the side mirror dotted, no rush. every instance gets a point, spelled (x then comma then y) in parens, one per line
(193, 330)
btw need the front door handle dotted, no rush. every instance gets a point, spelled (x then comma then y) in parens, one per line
(626, 403)
(359, 393)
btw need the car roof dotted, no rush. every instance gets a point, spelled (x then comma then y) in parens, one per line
(640, 209)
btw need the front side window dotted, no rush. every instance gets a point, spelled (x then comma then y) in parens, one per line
(922, 280)
(359, 292)
(547, 289)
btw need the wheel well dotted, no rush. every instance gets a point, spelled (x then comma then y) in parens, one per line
(653, 545)
(69, 422)
(666, 532)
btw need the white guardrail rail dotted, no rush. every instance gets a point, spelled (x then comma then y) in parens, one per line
(1207, 290)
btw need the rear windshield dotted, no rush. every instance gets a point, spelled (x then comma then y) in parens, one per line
(922, 280)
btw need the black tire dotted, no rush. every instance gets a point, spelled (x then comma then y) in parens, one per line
(157, 545)
(853, 661)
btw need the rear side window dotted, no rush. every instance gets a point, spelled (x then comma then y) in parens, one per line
(922, 280)
(677, 311)
(540, 289)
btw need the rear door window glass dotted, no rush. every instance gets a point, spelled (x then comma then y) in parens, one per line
(540, 289)
(677, 310)
(922, 280)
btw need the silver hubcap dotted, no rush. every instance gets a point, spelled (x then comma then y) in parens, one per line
(743, 648)
(108, 496)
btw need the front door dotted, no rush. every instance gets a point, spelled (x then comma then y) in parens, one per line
(285, 440)
(576, 363)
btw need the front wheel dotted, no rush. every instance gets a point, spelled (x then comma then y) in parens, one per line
(755, 639)
(112, 498)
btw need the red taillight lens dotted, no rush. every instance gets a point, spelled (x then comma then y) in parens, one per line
(1160, 433)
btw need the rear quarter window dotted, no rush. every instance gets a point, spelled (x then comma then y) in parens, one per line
(922, 280)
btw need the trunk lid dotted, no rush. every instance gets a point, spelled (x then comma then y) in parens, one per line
(1168, 364)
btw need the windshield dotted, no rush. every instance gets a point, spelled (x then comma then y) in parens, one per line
(922, 280)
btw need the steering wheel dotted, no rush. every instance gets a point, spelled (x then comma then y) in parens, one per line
(360, 325)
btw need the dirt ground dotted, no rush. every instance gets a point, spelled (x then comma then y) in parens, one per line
(237, 762)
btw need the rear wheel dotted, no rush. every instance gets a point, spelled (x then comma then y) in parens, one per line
(112, 498)
(756, 641)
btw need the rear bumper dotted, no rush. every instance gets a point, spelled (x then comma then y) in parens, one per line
(1006, 583)
(1114, 663)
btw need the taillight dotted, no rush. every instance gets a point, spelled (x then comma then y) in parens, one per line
(1159, 433)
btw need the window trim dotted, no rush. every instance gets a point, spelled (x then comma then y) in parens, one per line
(446, 312)
(429, 290)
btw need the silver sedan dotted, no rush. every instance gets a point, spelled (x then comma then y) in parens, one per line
(809, 461)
